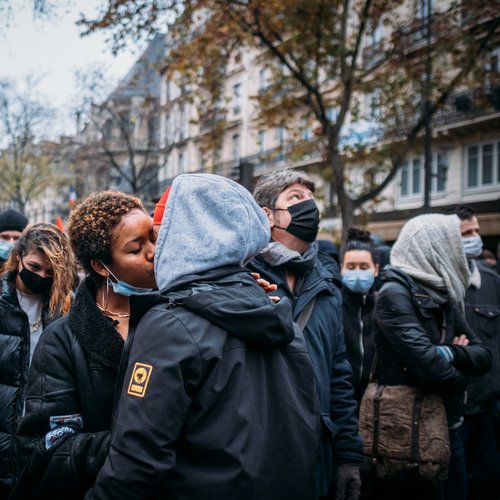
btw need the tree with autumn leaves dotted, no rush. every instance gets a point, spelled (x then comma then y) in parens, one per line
(329, 59)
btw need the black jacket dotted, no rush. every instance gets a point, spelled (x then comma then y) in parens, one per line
(218, 399)
(408, 326)
(482, 310)
(74, 372)
(357, 316)
(325, 340)
(14, 366)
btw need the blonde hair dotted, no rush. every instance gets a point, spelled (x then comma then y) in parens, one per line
(54, 244)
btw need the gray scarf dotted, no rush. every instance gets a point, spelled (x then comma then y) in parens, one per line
(430, 249)
(276, 254)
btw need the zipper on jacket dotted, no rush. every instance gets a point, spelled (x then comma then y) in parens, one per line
(361, 347)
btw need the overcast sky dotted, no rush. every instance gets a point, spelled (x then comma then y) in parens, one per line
(53, 49)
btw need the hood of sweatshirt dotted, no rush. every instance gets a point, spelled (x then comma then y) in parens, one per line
(209, 222)
(210, 229)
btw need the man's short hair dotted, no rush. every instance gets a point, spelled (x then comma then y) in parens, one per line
(461, 211)
(270, 186)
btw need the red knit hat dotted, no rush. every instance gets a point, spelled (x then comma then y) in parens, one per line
(160, 207)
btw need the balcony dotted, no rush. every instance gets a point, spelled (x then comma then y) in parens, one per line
(271, 159)
(468, 105)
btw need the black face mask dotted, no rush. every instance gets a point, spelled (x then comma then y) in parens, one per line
(35, 282)
(305, 220)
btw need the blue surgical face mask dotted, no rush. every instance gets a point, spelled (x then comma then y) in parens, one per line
(473, 246)
(358, 281)
(5, 249)
(123, 288)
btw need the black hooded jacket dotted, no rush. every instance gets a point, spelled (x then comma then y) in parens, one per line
(482, 311)
(409, 324)
(218, 400)
(74, 372)
(14, 366)
(357, 317)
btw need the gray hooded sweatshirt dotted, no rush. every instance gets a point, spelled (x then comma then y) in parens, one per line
(209, 222)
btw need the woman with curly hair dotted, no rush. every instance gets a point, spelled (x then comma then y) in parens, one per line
(35, 289)
(64, 435)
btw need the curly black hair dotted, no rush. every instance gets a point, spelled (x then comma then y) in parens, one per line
(91, 223)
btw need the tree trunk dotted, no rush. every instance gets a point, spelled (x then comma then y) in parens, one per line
(344, 201)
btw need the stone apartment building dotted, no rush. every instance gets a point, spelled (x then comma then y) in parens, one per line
(465, 145)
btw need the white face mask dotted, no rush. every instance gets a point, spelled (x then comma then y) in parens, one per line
(473, 246)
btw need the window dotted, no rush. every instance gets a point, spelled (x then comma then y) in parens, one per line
(152, 129)
(373, 102)
(332, 113)
(108, 129)
(263, 80)
(261, 140)
(169, 129)
(441, 173)
(473, 166)
(237, 98)
(487, 164)
(183, 123)
(483, 165)
(181, 162)
(416, 186)
(424, 8)
(306, 131)
(126, 126)
(201, 159)
(405, 183)
(169, 91)
(281, 136)
(236, 147)
(412, 175)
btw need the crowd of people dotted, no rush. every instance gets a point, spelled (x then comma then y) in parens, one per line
(218, 349)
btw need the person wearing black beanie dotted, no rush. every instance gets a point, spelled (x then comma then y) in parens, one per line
(12, 224)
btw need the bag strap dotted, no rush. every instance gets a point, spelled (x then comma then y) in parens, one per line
(306, 314)
(373, 369)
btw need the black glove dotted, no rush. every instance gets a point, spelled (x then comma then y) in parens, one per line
(347, 482)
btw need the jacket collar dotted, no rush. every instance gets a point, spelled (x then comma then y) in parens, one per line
(95, 332)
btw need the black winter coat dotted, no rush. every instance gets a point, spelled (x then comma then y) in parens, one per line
(14, 366)
(482, 310)
(324, 335)
(357, 316)
(74, 372)
(408, 325)
(218, 399)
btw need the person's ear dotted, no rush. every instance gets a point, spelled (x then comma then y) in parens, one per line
(99, 268)
(377, 269)
(270, 216)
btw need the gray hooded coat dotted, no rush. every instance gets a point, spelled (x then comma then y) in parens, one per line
(218, 399)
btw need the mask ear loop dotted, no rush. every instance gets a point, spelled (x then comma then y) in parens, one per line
(106, 298)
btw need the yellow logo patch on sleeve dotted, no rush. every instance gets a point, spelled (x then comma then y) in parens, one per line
(139, 380)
